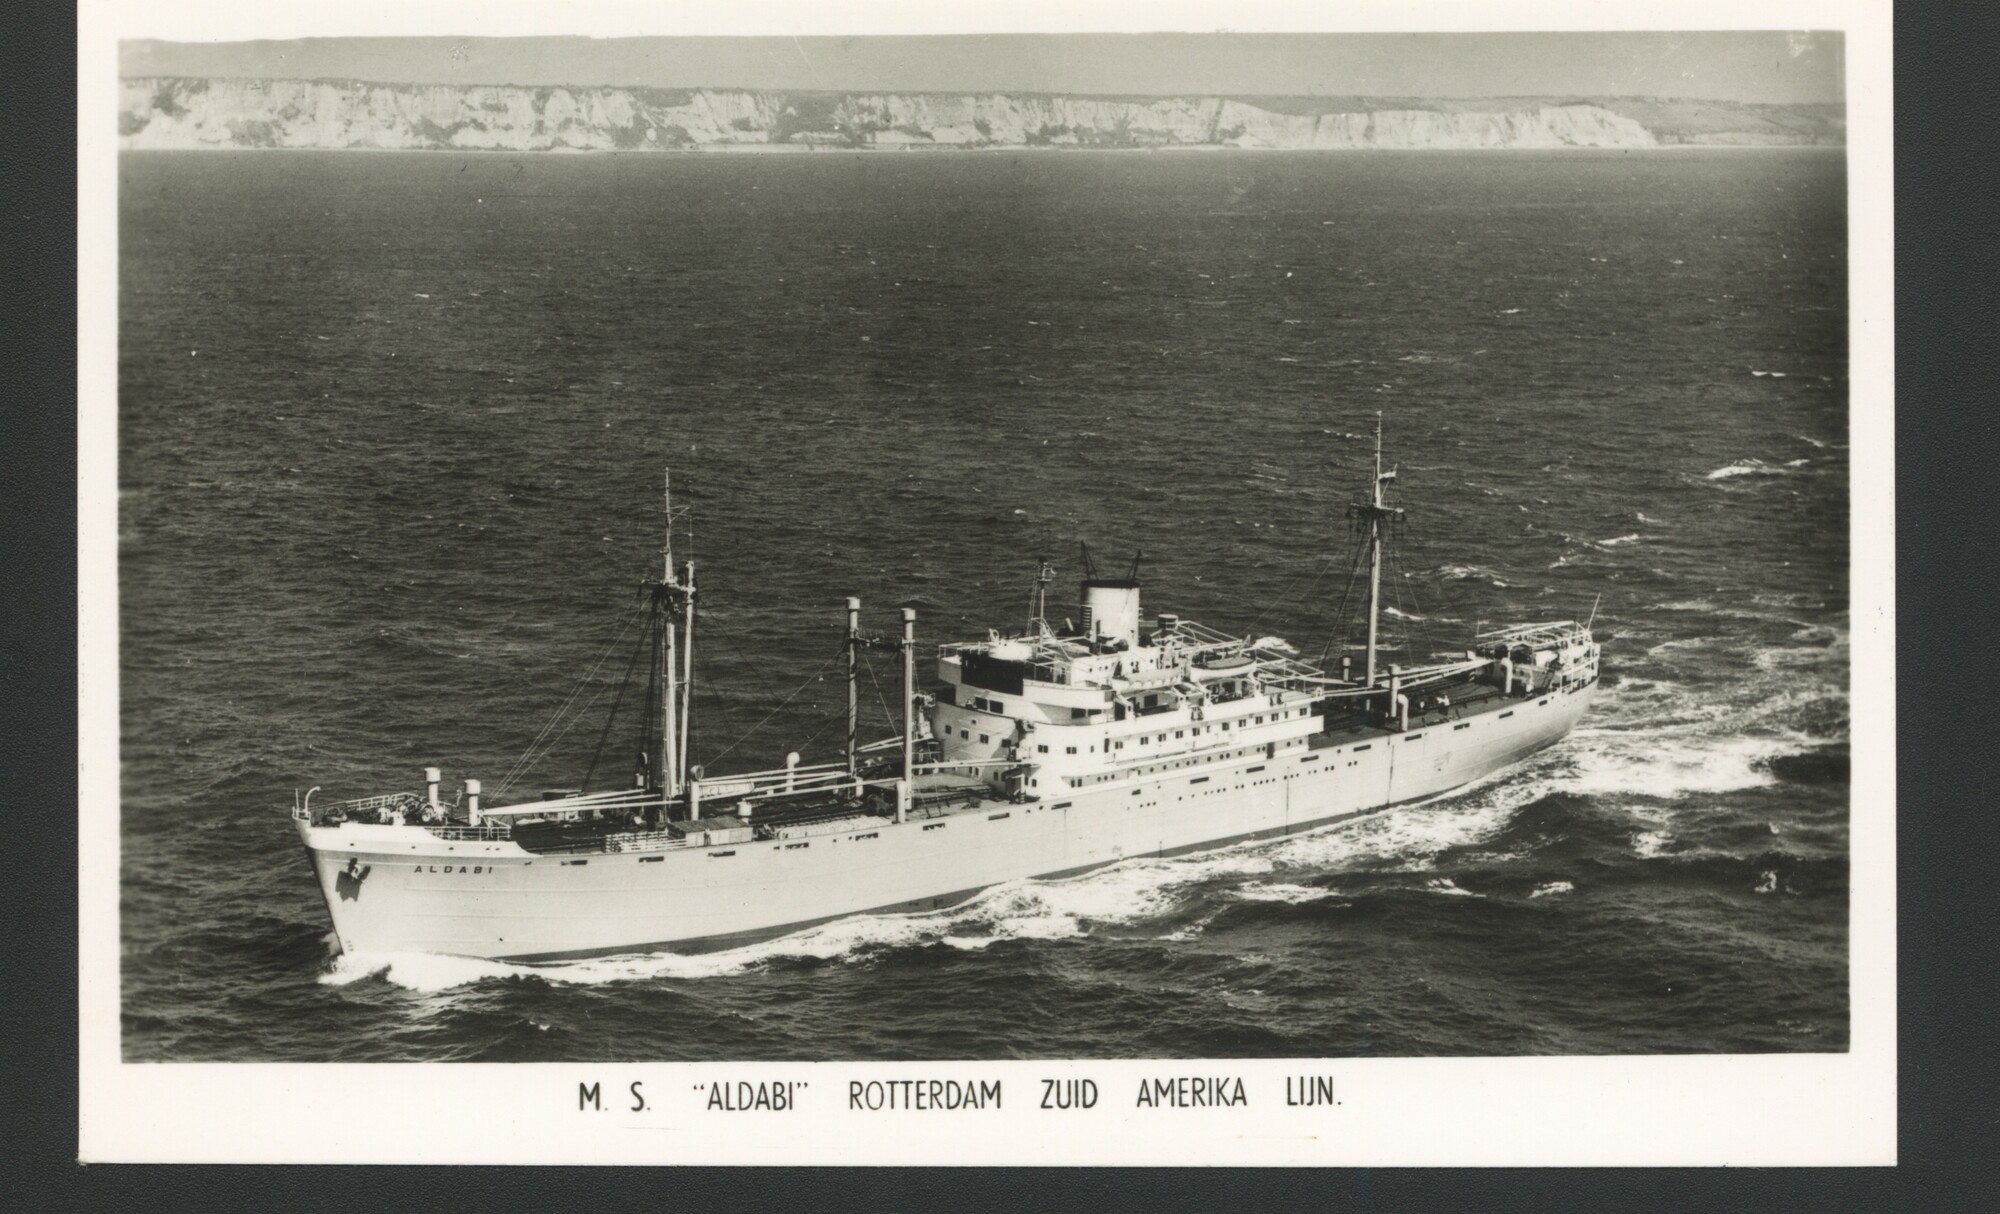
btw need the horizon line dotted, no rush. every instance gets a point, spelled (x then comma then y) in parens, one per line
(739, 88)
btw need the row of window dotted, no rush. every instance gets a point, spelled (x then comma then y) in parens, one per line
(1145, 739)
(1206, 760)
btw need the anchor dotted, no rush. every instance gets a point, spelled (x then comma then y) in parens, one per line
(347, 882)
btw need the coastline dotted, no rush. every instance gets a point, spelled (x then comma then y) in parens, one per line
(169, 113)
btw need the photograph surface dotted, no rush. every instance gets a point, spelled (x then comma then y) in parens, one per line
(1340, 573)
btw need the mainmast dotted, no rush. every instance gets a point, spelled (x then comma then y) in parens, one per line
(1375, 515)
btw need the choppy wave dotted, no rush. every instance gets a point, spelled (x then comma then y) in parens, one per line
(1817, 645)
(1280, 891)
(1789, 601)
(1649, 844)
(1745, 467)
(1457, 573)
(1666, 765)
(1664, 740)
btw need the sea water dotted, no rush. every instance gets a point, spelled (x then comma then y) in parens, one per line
(391, 431)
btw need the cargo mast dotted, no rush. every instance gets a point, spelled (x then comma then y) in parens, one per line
(853, 647)
(1375, 516)
(673, 603)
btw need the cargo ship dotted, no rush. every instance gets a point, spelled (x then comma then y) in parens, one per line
(1041, 754)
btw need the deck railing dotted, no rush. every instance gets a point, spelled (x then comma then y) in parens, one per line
(1533, 634)
(408, 802)
(642, 841)
(459, 834)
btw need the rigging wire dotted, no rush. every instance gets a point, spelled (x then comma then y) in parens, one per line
(1340, 628)
(520, 765)
(1410, 631)
(578, 716)
(1415, 613)
(804, 747)
(569, 700)
(716, 630)
(611, 718)
(810, 680)
(1285, 596)
(1426, 632)
(869, 663)
(715, 701)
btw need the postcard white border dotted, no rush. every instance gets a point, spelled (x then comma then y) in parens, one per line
(1706, 1110)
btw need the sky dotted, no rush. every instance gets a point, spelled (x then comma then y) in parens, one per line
(1754, 66)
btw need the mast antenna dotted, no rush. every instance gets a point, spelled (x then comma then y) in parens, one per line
(667, 519)
(1038, 598)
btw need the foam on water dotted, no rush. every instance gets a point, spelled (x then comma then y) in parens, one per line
(1411, 838)
(1667, 647)
(1666, 740)
(1651, 844)
(839, 939)
(1549, 889)
(1669, 763)
(1279, 891)
(1744, 467)
(1459, 573)
(1818, 646)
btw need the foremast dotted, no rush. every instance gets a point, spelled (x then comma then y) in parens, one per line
(673, 607)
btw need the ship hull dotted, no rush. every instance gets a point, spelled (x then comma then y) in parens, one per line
(401, 889)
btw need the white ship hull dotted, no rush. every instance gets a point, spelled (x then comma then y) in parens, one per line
(403, 888)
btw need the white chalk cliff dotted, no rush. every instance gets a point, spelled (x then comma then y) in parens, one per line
(180, 112)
